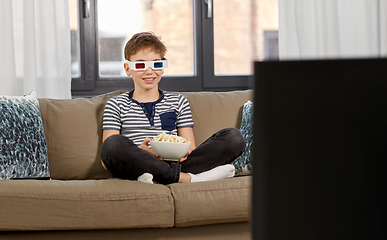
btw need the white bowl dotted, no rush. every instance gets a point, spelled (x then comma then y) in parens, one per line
(170, 151)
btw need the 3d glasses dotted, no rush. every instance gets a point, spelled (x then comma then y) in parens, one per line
(142, 66)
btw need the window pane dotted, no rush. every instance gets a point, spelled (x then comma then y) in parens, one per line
(244, 31)
(118, 20)
(73, 9)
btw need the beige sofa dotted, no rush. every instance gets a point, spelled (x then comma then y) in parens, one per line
(81, 195)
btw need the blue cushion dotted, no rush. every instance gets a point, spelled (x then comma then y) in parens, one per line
(243, 164)
(23, 146)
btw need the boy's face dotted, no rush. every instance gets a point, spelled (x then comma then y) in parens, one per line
(149, 78)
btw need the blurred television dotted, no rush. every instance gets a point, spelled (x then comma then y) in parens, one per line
(320, 149)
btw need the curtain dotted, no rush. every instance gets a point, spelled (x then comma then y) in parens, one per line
(35, 48)
(316, 29)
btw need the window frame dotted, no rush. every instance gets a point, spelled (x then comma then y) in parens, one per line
(90, 83)
(210, 80)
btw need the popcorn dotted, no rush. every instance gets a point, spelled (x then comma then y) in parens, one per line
(169, 138)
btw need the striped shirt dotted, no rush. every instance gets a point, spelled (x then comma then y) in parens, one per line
(140, 120)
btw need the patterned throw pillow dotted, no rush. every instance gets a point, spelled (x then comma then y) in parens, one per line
(243, 164)
(23, 146)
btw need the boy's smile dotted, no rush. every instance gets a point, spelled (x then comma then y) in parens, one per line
(149, 80)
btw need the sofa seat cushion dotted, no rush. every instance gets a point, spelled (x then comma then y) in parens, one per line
(88, 204)
(212, 202)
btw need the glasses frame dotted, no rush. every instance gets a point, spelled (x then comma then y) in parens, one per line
(148, 64)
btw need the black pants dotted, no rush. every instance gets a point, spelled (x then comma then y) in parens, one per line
(126, 160)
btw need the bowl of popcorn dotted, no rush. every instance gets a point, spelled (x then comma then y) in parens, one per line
(170, 147)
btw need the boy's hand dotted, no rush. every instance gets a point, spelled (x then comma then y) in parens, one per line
(145, 146)
(185, 157)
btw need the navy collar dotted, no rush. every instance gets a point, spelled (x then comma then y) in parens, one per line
(157, 101)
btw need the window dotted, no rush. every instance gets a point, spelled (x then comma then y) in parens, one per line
(211, 43)
(251, 22)
(118, 20)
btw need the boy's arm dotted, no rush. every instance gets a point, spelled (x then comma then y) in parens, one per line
(105, 134)
(187, 133)
(108, 132)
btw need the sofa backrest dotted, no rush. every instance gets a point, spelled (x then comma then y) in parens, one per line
(74, 136)
(73, 133)
(212, 111)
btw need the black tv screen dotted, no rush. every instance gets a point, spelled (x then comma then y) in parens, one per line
(320, 149)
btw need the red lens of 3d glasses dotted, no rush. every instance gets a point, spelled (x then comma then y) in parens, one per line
(140, 65)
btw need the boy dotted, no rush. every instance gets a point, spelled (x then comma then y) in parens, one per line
(132, 119)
